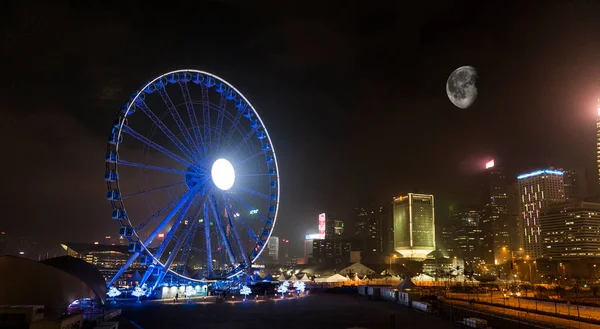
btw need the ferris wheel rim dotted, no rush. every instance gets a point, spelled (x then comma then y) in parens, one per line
(122, 116)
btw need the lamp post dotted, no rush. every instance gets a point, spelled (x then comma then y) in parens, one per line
(392, 257)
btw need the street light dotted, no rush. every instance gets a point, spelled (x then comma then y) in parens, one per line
(392, 258)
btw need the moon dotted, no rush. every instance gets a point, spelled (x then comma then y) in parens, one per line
(461, 86)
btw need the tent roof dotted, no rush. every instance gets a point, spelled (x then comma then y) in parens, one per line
(305, 278)
(81, 269)
(406, 284)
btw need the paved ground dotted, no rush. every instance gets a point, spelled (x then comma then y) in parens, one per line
(541, 320)
(546, 306)
(327, 311)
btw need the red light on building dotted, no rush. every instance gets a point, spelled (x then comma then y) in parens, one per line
(489, 164)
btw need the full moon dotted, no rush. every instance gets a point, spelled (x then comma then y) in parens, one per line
(461, 88)
(223, 174)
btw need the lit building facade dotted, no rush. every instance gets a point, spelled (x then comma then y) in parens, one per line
(538, 190)
(108, 259)
(331, 252)
(495, 220)
(414, 225)
(468, 237)
(371, 229)
(571, 231)
(273, 246)
(575, 184)
(598, 142)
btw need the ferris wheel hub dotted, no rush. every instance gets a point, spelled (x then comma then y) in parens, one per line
(223, 174)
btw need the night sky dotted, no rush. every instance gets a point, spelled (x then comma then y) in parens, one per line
(353, 96)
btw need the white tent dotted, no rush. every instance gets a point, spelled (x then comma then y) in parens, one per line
(423, 277)
(281, 278)
(293, 278)
(305, 278)
(355, 278)
(333, 278)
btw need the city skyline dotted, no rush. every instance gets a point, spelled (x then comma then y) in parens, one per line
(341, 144)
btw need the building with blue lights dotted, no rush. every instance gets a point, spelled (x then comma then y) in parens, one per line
(537, 190)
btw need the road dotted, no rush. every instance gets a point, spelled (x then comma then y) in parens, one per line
(546, 306)
(315, 311)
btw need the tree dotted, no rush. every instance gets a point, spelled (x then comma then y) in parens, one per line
(283, 288)
(189, 292)
(139, 292)
(300, 286)
(112, 293)
(245, 291)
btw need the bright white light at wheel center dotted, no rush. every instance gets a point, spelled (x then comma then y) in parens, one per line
(223, 174)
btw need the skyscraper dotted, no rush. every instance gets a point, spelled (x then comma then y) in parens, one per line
(538, 190)
(575, 184)
(495, 219)
(273, 247)
(414, 225)
(570, 230)
(598, 141)
(468, 237)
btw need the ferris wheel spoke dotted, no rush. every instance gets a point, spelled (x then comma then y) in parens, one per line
(152, 190)
(209, 260)
(171, 234)
(129, 131)
(156, 120)
(219, 224)
(234, 125)
(153, 235)
(250, 232)
(248, 206)
(253, 192)
(244, 140)
(146, 166)
(187, 248)
(175, 114)
(167, 265)
(159, 212)
(220, 117)
(192, 114)
(234, 229)
(206, 118)
(254, 175)
(251, 157)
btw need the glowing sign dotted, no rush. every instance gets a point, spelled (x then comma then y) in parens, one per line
(489, 164)
(313, 236)
(253, 211)
(161, 235)
(540, 172)
(322, 225)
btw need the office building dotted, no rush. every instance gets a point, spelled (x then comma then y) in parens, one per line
(371, 230)
(331, 252)
(108, 259)
(538, 190)
(495, 219)
(571, 231)
(468, 237)
(598, 143)
(414, 225)
(334, 228)
(273, 248)
(575, 184)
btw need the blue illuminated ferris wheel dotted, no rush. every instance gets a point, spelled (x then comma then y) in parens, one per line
(192, 177)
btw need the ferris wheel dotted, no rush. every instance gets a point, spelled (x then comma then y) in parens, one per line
(192, 177)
